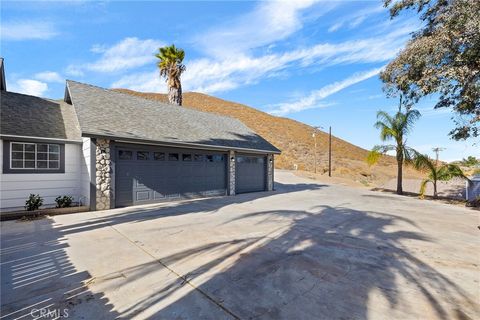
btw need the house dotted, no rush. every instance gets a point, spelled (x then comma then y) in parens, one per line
(109, 149)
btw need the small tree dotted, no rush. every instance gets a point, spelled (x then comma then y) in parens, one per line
(395, 127)
(445, 172)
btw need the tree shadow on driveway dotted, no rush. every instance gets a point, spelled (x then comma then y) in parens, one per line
(38, 279)
(327, 265)
(137, 214)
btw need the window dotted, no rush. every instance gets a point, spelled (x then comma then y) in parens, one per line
(142, 155)
(209, 158)
(173, 156)
(159, 156)
(34, 156)
(217, 158)
(186, 157)
(125, 155)
(199, 157)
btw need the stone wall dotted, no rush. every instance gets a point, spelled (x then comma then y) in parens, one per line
(103, 179)
(231, 172)
(270, 172)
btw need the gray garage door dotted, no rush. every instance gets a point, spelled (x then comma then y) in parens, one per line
(149, 175)
(250, 173)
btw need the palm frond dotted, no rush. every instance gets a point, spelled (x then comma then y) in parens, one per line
(423, 187)
(450, 171)
(377, 152)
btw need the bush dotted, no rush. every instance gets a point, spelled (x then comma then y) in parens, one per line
(34, 202)
(64, 202)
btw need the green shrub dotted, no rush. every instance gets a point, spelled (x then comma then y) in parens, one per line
(34, 202)
(64, 202)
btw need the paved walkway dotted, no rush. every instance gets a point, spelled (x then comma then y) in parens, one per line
(305, 251)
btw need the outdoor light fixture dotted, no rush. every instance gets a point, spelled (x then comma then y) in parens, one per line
(232, 159)
(271, 160)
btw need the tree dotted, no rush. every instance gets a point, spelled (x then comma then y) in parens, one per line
(470, 161)
(396, 128)
(445, 172)
(171, 68)
(442, 58)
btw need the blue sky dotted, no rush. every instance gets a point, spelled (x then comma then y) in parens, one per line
(312, 61)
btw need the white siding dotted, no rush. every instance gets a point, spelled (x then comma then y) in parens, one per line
(15, 188)
(86, 170)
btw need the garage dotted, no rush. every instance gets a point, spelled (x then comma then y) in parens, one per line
(251, 173)
(138, 151)
(148, 174)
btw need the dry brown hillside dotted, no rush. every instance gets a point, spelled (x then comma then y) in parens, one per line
(294, 139)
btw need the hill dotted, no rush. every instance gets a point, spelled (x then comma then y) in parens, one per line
(294, 139)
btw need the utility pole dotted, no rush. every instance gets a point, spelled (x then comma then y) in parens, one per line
(437, 150)
(314, 136)
(330, 151)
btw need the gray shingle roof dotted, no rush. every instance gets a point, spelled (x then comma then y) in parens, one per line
(105, 112)
(25, 115)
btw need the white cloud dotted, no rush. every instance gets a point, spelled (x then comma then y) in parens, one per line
(210, 75)
(335, 27)
(230, 61)
(74, 70)
(313, 100)
(27, 30)
(354, 20)
(268, 22)
(126, 54)
(49, 76)
(144, 82)
(29, 86)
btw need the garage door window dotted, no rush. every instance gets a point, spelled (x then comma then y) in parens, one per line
(159, 156)
(186, 157)
(125, 155)
(199, 157)
(142, 155)
(209, 158)
(173, 156)
(217, 158)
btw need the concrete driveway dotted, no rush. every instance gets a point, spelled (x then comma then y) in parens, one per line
(305, 251)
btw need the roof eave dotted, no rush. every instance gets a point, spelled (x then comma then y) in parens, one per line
(177, 144)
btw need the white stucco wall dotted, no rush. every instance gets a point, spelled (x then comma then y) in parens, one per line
(15, 188)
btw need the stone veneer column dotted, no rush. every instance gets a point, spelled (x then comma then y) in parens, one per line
(270, 172)
(103, 179)
(231, 172)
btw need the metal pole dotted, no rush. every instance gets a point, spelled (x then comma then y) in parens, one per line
(315, 152)
(330, 151)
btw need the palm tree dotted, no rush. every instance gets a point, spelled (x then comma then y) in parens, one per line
(445, 172)
(171, 67)
(395, 127)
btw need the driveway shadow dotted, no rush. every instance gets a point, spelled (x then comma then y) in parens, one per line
(326, 265)
(38, 280)
(190, 207)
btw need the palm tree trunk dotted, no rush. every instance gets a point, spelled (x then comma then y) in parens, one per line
(399, 176)
(399, 168)
(435, 195)
(175, 95)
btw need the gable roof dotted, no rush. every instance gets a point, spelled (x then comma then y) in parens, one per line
(29, 116)
(106, 113)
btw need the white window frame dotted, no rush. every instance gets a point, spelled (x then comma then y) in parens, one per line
(35, 152)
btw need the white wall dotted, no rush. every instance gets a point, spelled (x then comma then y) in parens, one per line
(85, 171)
(15, 188)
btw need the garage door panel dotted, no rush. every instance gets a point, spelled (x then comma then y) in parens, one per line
(158, 179)
(250, 173)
